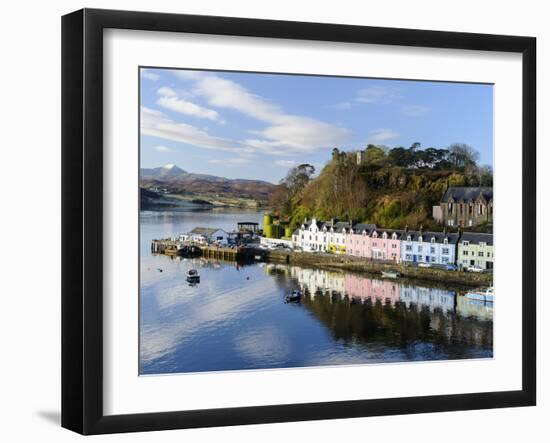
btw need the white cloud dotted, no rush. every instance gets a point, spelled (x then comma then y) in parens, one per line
(156, 124)
(169, 99)
(382, 135)
(149, 75)
(285, 132)
(342, 106)
(414, 110)
(163, 149)
(230, 161)
(287, 163)
(377, 94)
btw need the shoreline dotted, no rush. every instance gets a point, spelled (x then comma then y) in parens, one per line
(358, 265)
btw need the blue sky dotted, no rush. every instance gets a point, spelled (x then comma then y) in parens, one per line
(257, 126)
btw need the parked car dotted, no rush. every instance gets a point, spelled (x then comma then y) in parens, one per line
(474, 269)
(450, 267)
(424, 265)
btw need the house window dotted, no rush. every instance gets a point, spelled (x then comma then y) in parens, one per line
(465, 243)
(408, 238)
(420, 238)
(432, 250)
(408, 248)
(445, 251)
(432, 240)
(393, 246)
(445, 241)
(444, 260)
(420, 249)
(384, 236)
(464, 252)
(450, 222)
(407, 256)
(480, 254)
(433, 259)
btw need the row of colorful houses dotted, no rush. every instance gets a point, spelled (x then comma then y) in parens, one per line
(371, 242)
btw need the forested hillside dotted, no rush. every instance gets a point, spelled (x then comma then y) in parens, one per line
(389, 187)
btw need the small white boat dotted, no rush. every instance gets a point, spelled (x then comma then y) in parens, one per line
(391, 274)
(193, 276)
(485, 295)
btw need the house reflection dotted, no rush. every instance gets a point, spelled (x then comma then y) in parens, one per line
(358, 309)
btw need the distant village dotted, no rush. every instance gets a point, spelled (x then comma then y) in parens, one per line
(460, 207)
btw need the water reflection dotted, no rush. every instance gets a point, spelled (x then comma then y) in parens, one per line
(236, 318)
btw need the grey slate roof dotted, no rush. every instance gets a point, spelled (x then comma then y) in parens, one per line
(360, 227)
(204, 231)
(390, 232)
(427, 236)
(466, 194)
(477, 237)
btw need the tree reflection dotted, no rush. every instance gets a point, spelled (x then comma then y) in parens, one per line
(398, 324)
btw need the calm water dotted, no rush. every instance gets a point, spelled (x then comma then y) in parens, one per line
(236, 318)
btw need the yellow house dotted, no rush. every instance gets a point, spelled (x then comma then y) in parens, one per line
(475, 249)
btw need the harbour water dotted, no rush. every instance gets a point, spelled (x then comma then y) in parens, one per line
(236, 317)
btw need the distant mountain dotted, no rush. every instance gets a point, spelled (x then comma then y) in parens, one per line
(166, 171)
(175, 180)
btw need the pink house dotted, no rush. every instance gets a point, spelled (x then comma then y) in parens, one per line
(357, 240)
(385, 244)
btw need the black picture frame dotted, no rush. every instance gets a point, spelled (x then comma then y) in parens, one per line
(82, 190)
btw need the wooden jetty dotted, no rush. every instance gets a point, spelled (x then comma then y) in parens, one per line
(176, 248)
(165, 246)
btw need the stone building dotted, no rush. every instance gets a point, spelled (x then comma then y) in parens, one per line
(465, 206)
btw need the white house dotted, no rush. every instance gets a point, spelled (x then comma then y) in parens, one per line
(311, 237)
(438, 248)
(318, 236)
(336, 235)
(206, 235)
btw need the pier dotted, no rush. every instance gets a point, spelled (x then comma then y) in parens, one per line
(166, 247)
(176, 248)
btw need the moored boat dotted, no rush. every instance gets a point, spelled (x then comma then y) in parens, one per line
(193, 276)
(485, 295)
(294, 296)
(391, 274)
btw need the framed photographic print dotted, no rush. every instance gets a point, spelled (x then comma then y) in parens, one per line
(269, 221)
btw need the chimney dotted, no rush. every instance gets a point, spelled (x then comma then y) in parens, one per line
(406, 228)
